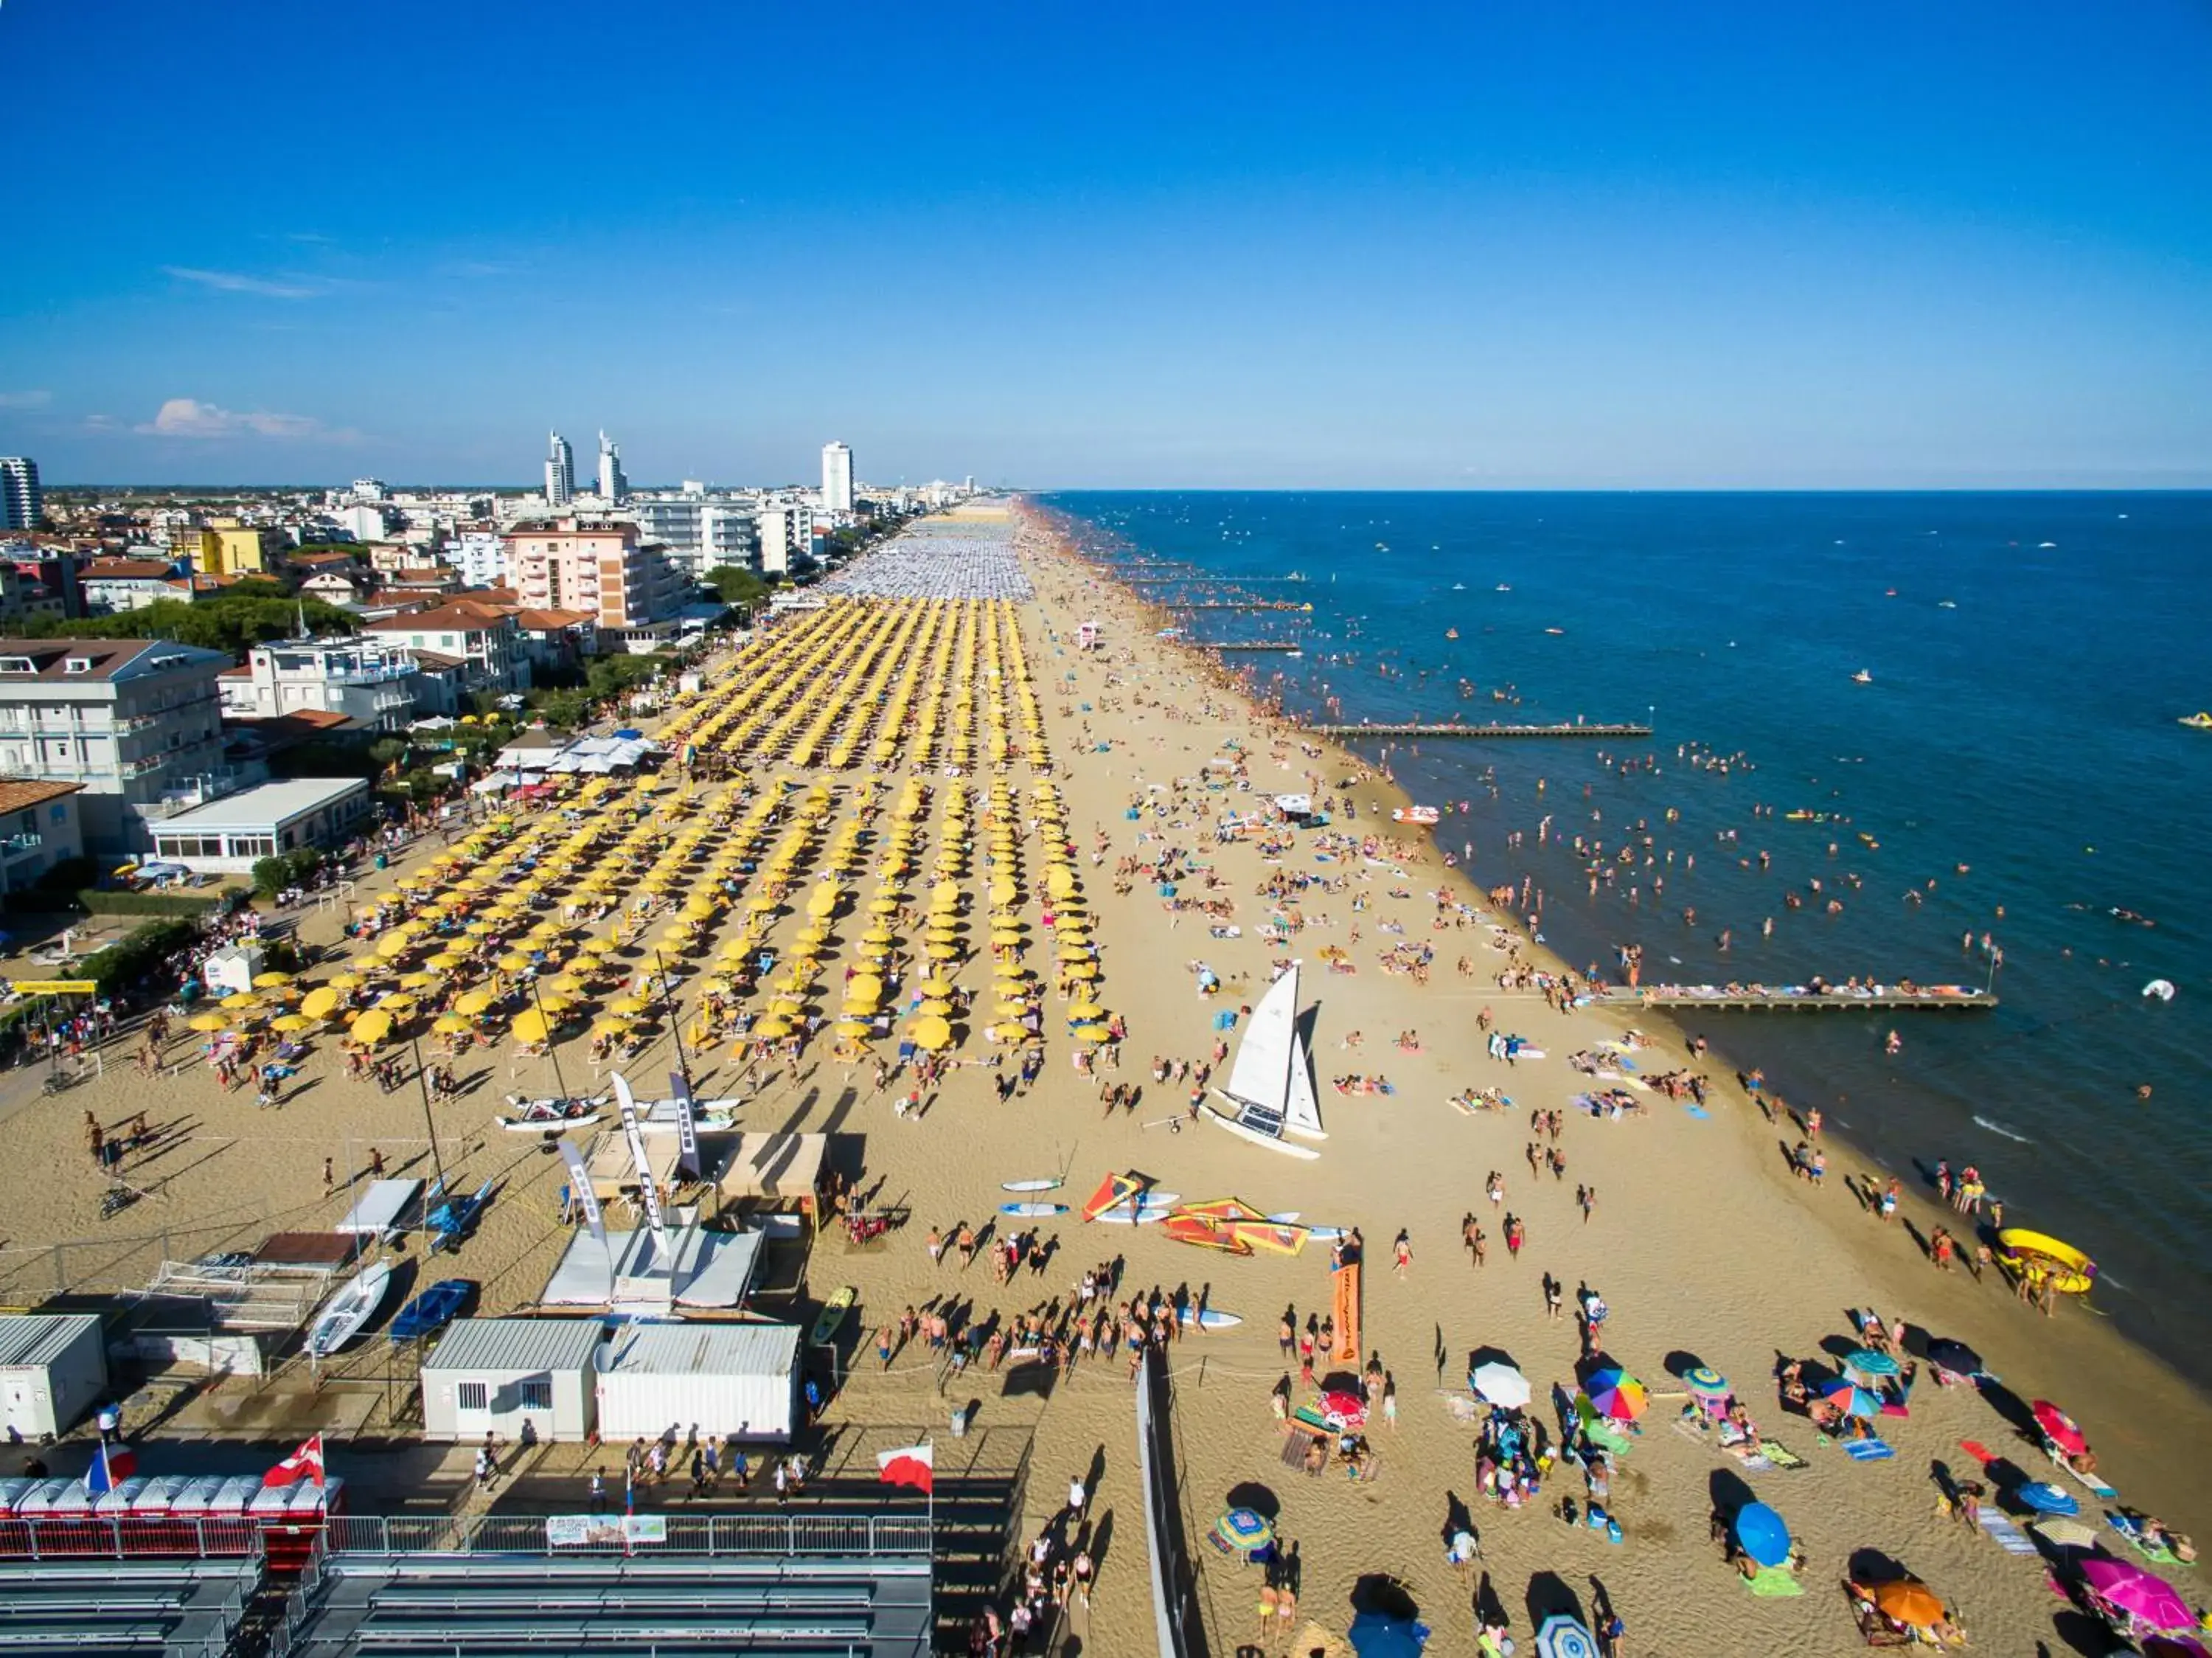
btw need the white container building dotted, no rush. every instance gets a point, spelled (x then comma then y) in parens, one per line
(493, 1375)
(725, 1379)
(53, 1368)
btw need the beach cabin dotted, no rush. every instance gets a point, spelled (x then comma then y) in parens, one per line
(492, 1375)
(53, 1368)
(724, 1379)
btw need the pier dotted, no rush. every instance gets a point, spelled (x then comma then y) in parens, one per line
(1758, 998)
(1445, 729)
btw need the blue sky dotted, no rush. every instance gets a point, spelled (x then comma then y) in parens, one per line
(1470, 245)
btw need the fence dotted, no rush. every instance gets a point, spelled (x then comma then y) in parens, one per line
(116, 1537)
(710, 1534)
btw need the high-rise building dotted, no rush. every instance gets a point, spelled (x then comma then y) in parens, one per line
(560, 472)
(22, 505)
(614, 488)
(836, 478)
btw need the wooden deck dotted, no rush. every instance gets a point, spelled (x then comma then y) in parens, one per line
(1744, 998)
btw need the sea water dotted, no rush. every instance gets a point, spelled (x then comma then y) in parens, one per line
(2028, 656)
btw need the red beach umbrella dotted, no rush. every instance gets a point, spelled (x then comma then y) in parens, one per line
(2061, 1428)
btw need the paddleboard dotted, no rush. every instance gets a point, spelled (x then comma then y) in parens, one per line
(1030, 1186)
(1150, 1212)
(833, 1313)
(1210, 1318)
(1033, 1209)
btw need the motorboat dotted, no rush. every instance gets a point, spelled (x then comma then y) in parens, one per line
(1863, 677)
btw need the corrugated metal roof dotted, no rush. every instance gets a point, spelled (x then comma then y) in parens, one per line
(41, 1338)
(491, 1346)
(703, 1350)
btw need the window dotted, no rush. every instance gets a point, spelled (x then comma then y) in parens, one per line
(472, 1396)
(537, 1394)
(59, 811)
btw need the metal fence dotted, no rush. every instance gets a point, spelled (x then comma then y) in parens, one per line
(116, 1537)
(711, 1534)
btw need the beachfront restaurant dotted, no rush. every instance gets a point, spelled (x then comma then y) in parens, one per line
(226, 836)
(723, 1378)
(493, 1375)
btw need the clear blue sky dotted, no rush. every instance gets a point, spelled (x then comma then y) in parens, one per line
(1470, 245)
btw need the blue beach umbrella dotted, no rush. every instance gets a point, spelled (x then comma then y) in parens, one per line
(2046, 1498)
(1868, 1362)
(1760, 1533)
(1707, 1382)
(1378, 1635)
(1564, 1635)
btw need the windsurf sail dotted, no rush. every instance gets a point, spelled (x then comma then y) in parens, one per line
(1114, 1189)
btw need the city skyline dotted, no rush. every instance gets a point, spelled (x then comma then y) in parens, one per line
(1710, 248)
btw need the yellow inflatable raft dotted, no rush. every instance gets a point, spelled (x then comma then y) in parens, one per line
(2037, 1257)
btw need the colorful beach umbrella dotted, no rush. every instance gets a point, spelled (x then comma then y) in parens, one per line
(2142, 1594)
(1868, 1362)
(1617, 1394)
(2061, 1429)
(1566, 1636)
(1706, 1382)
(1848, 1396)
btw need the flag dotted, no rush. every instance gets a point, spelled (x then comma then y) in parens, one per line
(911, 1464)
(580, 1192)
(687, 1128)
(305, 1462)
(114, 1464)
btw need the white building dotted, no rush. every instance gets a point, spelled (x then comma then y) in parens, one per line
(614, 488)
(371, 680)
(39, 830)
(21, 502)
(778, 530)
(492, 1375)
(138, 722)
(368, 489)
(53, 1368)
(698, 534)
(726, 1379)
(836, 478)
(480, 555)
(225, 837)
(366, 521)
(560, 472)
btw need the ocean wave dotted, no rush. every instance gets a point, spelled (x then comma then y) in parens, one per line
(1999, 1128)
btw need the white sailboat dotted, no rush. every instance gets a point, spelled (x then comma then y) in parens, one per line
(1271, 1091)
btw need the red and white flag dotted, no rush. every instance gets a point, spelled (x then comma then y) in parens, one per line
(306, 1463)
(911, 1464)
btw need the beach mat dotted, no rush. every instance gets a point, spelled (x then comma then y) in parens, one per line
(2160, 1557)
(1781, 1456)
(1774, 1583)
(2008, 1536)
(1868, 1450)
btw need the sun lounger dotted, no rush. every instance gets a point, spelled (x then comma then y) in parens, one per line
(2008, 1536)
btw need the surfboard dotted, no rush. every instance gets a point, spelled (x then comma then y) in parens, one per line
(1210, 1319)
(1030, 1186)
(833, 1312)
(1033, 1209)
(1152, 1211)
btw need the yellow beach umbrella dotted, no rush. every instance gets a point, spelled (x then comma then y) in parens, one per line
(447, 961)
(771, 1029)
(943, 952)
(240, 999)
(1009, 1032)
(530, 1025)
(935, 1007)
(320, 1002)
(610, 1024)
(515, 961)
(475, 1001)
(208, 1021)
(1082, 970)
(1011, 970)
(935, 985)
(270, 981)
(555, 1003)
(347, 981)
(450, 1024)
(1086, 1010)
(854, 1029)
(418, 981)
(628, 1004)
(394, 944)
(931, 1033)
(398, 1006)
(373, 1028)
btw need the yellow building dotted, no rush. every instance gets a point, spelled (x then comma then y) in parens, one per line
(237, 551)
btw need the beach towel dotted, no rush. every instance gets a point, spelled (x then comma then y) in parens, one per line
(1774, 1583)
(1781, 1456)
(2127, 1528)
(2008, 1536)
(1868, 1450)
(2095, 1486)
(1701, 1113)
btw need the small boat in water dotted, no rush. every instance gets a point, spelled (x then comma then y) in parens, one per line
(2197, 722)
(1451, 633)
(1863, 677)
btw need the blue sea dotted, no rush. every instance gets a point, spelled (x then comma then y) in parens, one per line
(2028, 657)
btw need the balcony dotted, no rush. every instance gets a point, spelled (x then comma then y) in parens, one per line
(28, 841)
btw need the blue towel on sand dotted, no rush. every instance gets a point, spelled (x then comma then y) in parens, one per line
(1867, 1450)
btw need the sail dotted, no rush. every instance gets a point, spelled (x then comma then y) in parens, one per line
(1302, 1115)
(1261, 1074)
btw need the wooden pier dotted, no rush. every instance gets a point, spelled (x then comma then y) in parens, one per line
(1758, 999)
(1444, 729)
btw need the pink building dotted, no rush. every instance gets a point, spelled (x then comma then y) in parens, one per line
(562, 565)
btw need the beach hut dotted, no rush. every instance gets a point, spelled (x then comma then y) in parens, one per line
(492, 1375)
(53, 1366)
(740, 1379)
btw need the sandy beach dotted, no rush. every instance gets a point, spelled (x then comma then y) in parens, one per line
(1705, 1247)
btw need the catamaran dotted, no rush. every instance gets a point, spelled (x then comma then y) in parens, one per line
(1271, 1092)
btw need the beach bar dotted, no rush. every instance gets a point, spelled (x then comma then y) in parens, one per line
(492, 1375)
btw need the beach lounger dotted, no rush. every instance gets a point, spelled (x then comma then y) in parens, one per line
(1774, 1583)
(2008, 1536)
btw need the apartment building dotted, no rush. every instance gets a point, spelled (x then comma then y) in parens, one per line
(372, 681)
(566, 565)
(484, 640)
(135, 722)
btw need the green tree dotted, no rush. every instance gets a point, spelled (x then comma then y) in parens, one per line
(230, 623)
(737, 585)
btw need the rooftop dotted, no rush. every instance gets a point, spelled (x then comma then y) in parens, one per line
(106, 660)
(516, 1344)
(18, 793)
(460, 617)
(267, 804)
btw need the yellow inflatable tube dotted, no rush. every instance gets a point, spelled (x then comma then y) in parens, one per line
(2038, 1256)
